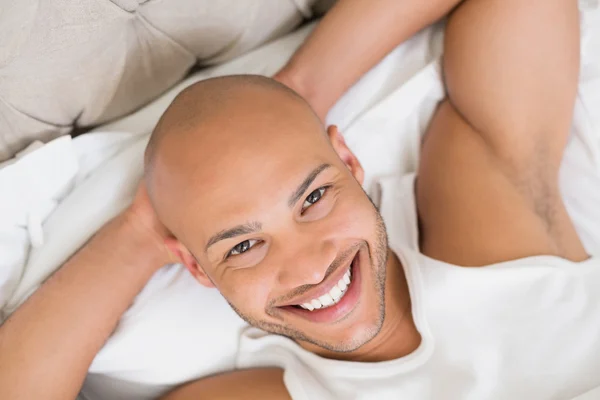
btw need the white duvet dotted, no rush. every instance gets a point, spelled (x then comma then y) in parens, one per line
(56, 196)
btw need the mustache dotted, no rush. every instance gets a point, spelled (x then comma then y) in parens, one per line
(340, 260)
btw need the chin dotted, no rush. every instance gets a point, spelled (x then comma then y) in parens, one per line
(359, 335)
(347, 337)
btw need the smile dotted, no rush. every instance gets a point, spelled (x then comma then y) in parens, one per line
(333, 301)
(335, 294)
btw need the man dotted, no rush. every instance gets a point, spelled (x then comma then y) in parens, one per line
(466, 302)
(484, 290)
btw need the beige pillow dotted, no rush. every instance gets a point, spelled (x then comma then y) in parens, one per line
(67, 64)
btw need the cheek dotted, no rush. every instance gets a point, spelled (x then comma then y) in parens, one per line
(247, 289)
(355, 217)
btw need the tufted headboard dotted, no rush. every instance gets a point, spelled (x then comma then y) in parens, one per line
(72, 64)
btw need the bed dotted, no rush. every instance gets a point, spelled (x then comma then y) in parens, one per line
(62, 192)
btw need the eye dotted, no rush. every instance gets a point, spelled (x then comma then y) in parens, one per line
(242, 247)
(313, 197)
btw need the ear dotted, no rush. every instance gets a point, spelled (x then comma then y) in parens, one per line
(188, 259)
(345, 154)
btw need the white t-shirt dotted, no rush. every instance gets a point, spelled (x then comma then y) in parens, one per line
(523, 329)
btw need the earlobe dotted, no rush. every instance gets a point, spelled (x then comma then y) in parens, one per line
(345, 154)
(190, 262)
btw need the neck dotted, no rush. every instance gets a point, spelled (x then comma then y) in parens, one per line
(398, 336)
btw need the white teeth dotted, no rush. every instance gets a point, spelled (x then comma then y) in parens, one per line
(336, 293)
(326, 300)
(346, 278)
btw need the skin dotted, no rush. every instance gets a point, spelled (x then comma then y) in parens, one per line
(488, 178)
(285, 261)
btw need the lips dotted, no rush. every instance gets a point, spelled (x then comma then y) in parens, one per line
(334, 295)
(345, 304)
(322, 291)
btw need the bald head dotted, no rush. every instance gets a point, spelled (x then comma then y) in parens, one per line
(265, 206)
(207, 101)
(221, 128)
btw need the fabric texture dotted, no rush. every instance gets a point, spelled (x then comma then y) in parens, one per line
(69, 64)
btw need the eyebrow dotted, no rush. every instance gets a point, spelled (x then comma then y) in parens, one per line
(306, 183)
(244, 229)
(253, 227)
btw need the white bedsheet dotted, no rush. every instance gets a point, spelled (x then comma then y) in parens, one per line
(56, 197)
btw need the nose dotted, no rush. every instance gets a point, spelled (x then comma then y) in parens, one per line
(306, 260)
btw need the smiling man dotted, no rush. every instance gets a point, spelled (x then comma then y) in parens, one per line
(477, 286)
(484, 276)
(291, 240)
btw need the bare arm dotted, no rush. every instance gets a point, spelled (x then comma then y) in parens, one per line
(488, 180)
(512, 69)
(260, 383)
(47, 345)
(352, 37)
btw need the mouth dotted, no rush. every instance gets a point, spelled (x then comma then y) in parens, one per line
(331, 298)
(339, 300)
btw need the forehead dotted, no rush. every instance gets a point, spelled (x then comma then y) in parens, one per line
(255, 148)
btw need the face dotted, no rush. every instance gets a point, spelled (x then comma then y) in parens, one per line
(281, 226)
